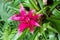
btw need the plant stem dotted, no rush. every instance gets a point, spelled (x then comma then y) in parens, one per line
(41, 10)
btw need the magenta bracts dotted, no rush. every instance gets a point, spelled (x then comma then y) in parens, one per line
(27, 20)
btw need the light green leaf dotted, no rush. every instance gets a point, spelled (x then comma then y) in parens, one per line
(23, 34)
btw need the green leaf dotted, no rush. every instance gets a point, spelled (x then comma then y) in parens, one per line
(59, 36)
(3, 12)
(55, 24)
(52, 36)
(34, 36)
(42, 7)
(40, 4)
(56, 13)
(54, 5)
(34, 5)
(16, 3)
(55, 19)
(12, 33)
(27, 4)
(23, 34)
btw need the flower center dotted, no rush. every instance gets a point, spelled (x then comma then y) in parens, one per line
(27, 19)
(33, 14)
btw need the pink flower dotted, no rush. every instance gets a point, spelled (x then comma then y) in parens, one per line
(26, 20)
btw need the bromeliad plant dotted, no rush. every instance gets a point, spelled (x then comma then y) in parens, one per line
(41, 17)
(26, 20)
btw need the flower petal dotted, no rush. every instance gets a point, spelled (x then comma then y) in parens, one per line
(14, 17)
(37, 16)
(32, 22)
(17, 17)
(22, 26)
(22, 10)
(31, 29)
(27, 19)
(30, 13)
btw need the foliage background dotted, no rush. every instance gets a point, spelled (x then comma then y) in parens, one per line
(50, 27)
